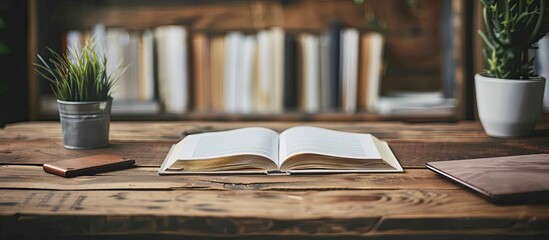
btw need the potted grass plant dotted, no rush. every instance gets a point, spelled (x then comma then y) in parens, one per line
(83, 88)
(509, 95)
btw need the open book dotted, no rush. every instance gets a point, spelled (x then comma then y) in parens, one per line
(300, 149)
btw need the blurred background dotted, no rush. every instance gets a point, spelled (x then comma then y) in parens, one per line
(333, 60)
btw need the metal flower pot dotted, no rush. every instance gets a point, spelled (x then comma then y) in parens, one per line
(85, 125)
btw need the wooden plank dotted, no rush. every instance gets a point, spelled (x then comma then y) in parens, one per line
(317, 15)
(33, 177)
(174, 131)
(124, 131)
(152, 154)
(174, 227)
(517, 228)
(228, 213)
(32, 50)
(38, 152)
(224, 15)
(460, 75)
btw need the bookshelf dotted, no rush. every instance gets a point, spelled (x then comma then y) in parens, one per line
(414, 49)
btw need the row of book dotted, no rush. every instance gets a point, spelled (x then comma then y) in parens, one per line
(269, 71)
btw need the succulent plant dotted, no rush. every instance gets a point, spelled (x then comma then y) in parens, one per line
(512, 27)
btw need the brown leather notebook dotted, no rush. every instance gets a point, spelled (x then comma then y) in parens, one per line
(88, 165)
(515, 179)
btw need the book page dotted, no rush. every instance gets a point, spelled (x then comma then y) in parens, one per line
(312, 140)
(246, 141)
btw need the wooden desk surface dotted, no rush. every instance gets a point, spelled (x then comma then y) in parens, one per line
(139, 202)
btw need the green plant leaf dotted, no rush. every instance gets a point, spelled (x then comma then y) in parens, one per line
(512, 26)
(78, 74)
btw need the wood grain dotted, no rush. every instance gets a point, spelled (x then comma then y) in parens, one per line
(148, 142)
(26, 177)
(173, 131)
(137, 201)
(152, 154)
(319, 213)
(38, 152)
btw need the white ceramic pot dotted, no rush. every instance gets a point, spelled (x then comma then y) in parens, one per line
(509, 107)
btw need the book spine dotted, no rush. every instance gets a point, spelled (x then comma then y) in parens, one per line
(334, 53)
(245, 87)
(131, 59)
(349, 69)
(325, 84)
(217, 70)
(311, 52)
(199, 54)
(290, 72)
(173, 68)
(266, 71)
(147, 67)
(374, 42)
(232, 76)
(278, 70)
(116, 39)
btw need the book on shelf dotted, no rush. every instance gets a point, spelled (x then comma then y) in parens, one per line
(173, 71)
(146, 67)
(201, 78)
(310, 73)
(277, 100)
(266, 86)
(349, 69)
(290, 72)
(263, 84)
(371, 58)
(301, 149)
(245, 96)
(326, 88)
(233, 60)
(334, 64)
(217, 72)
(122, 50)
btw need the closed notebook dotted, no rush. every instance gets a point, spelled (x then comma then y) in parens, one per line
(88, 165)
(515, 179)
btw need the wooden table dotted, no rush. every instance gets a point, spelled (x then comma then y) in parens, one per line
(139, 202)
